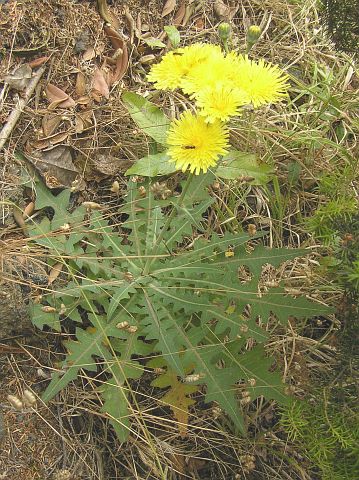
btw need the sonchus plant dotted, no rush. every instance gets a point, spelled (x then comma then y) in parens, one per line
(163, 294)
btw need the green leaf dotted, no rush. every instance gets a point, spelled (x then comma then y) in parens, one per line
(220, 366)
(61, 216)
(121, 292)
(115, 392)
(173, 35)
(152, 165)
(153, 42)
(192, 303)
(238, 164)
(155, 224)
(190, 214)
(94, 342)
(160, 325)
(40, 318)
(149, 118)
(294, 170)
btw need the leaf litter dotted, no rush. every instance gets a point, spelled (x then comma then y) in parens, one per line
(56, 166)
(20, 79)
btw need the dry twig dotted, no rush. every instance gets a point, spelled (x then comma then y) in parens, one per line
(19, 107)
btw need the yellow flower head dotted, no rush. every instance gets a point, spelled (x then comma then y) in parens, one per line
(262, 82)
(195, 144)
(207, 74)
(174, 66)
(220, 102)
(167, 74)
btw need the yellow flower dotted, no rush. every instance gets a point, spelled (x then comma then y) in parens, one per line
(195, 144)
(174, 66)
(262, 82)
(220, 102)
(207, 74)
(167, 74)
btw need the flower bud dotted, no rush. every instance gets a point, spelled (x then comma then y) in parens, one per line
(253, 34)
(224, 31)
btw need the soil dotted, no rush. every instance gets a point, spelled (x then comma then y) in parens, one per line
(15, 319)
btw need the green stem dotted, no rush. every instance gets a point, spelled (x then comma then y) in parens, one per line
(167, 225)
(249, 47)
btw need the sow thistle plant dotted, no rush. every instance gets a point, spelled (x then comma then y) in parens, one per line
(161, 295)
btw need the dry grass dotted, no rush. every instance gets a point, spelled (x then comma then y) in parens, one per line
(69, 434)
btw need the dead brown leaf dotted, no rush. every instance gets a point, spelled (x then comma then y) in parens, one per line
(188, 13)
(199, 23)
(50, 124)
(89, 54)
(223, 11)
(107, 15)
(49, 141)
(79, 124)
(55, 94)
(84, 120)
(70, 102)
(58, 97)
(99, 84)
(107, 164)
(168, 7)
(120, 47)
(178, 18)
(130, 22)
(20, 79)
(28, 210)
(92, 52)
(80, 87)
(38, 62)
(55, 165)
(55, 272)
(19, 219)
(84, 100)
